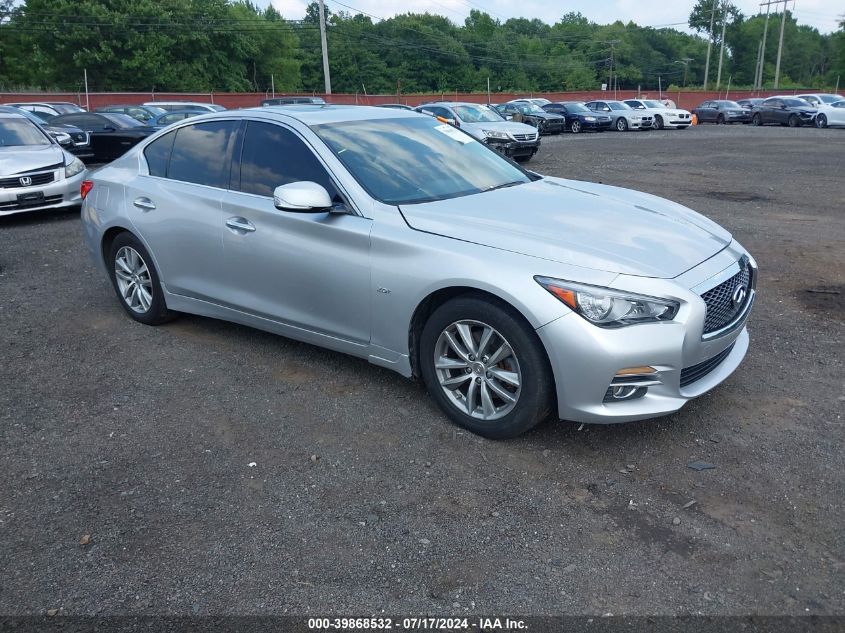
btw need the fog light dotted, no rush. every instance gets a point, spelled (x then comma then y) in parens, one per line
(623, 393)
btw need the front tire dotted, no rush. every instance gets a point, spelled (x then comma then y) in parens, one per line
(575, 127)
(485, 367)
(658, 122)
(757, 120)
(720, 120)
(821, 121)
(136, 281)
(794, 121)
(621, 124)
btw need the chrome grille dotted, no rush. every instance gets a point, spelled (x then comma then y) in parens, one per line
(719, 300)
(37, 179)
(525, 137)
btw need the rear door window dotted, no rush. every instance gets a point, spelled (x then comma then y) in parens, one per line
(157, 154)
(202, 153)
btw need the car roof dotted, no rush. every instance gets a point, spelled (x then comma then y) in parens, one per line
(12, 115)
(315, 114)
(452, 104)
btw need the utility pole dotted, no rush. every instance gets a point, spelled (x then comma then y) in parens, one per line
(325, 48)
(722, 47)
(709, 44)
(780, 44)
(757, 65)
(763, 48)
(610, 77)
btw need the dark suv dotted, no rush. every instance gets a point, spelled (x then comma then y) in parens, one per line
(784, 110)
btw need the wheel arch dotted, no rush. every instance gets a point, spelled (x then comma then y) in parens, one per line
(108, 238)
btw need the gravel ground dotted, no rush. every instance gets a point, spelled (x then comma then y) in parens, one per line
(206, 468)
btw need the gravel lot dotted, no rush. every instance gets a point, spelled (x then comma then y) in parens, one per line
(206, 468)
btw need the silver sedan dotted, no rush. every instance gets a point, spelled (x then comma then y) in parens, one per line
(391, 236)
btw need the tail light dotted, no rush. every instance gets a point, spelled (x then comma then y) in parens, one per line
(85, 188)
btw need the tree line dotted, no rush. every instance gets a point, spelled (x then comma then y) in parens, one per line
(234, 46)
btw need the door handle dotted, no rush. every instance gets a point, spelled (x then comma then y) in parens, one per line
(240, 225)
(144, 203)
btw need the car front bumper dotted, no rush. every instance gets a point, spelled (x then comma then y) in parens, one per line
(597, 125)
(677, 121)
(61, 193)
(585, 359)
(514, 149)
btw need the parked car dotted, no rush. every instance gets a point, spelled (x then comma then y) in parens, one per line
(167, 118)
(817, 99)
(722, 112)
(111, 134)
(293, 101)
(142, 113)
(35, 172)
(537, 101)
(831, 114)
(533, 115)
(395, 238)
(662, 117)
(784, 110)
(53, 108)
(397, 106)
(623, 116)
(515, 140)
(69, 137)
(579, 117)
(186, 105)
(748, 104)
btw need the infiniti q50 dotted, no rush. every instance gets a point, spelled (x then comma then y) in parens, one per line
(393, 237)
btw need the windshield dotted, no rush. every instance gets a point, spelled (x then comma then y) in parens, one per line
(616, 105)
(729, 104)
(576, 107)
(636, 105)
(20, 132)
(216, 108)
(654, 104)
(155, 110)
(529, 108)
(477, 114)
(796, 103)
(413, 160)
(830, 98)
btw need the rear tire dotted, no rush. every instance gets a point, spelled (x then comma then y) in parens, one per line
(621, 124)
(475, 386)
(136, 281)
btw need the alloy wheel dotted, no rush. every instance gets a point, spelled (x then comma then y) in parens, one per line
(477, 369)
(821, 121)
(575, 127)
(134, 282)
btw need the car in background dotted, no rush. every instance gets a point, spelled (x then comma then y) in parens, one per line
(69, 137)
(662, 116)
(515, 140)
(748, 104)
(404, 241)
(722, 112)
(784, 110)
(579, 117)
(169, 118)
(275, 101)
(53, 108)
(537, 101)
(816, 99)
(186, 105)
(35, 172)
(395, 106)
(623, 116)
(831, 114)
(526, 112)
(141, 113)
(111, 133)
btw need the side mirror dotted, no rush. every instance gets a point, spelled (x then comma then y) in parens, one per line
(302, 197)
(108, 128)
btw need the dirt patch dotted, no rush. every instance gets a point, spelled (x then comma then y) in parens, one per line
(823, 299)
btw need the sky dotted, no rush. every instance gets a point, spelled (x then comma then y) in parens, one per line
(822, 14)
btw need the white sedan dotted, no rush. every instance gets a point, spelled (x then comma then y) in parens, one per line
(831, 114)
(663, 116)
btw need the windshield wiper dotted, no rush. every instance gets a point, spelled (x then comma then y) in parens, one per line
(505, 184)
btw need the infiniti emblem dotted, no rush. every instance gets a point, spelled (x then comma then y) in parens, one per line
(738, 296)
(25, 181)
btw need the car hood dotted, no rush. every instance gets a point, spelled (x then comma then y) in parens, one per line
(19, 160)
(578, 223)
(509, 127)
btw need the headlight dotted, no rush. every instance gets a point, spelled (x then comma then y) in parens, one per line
(609, 308)
(495, 134)
(63, 139)
(589, 118)
(74, 167)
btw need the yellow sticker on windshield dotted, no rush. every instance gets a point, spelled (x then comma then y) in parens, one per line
(453, 133)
